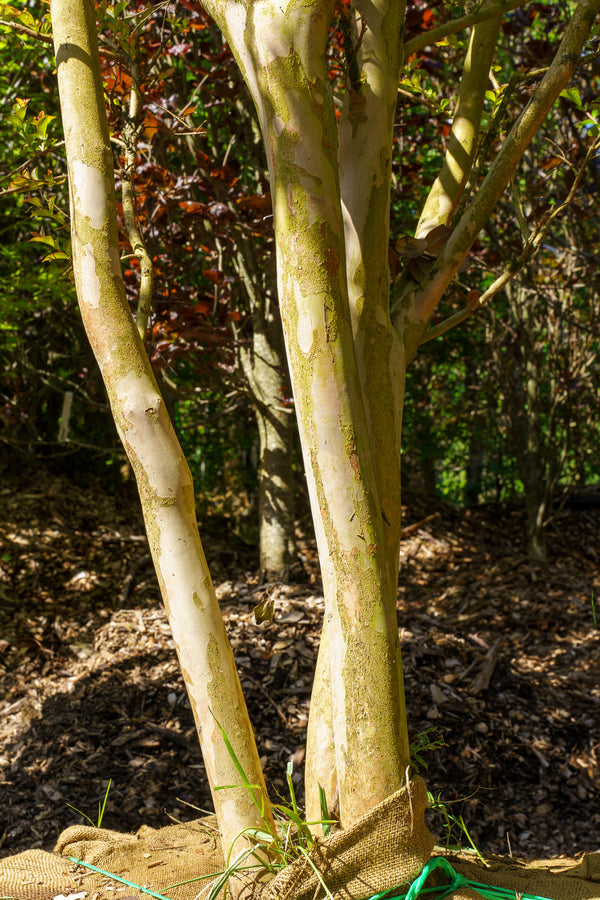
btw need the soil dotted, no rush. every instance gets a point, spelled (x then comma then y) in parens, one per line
(501, 658)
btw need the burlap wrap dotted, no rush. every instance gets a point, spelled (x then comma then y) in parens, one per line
(558, 879)
(153, 858)
(385, 848)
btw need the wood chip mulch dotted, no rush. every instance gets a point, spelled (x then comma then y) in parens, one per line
(502, 659)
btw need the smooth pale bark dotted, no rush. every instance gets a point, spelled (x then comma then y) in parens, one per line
(365, 165)
(320, 766)
(364, 162)
(420, 304)
(163, 477)
(281, 53)
(444, 196)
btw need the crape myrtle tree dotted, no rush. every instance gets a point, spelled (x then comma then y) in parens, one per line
(348, 339)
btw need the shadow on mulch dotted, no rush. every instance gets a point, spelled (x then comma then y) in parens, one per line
(500, 658)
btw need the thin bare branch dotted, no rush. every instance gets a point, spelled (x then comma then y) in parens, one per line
(535, 239)
(47, 39)
(447, 324)
(28, 32)
(444, 196)
(435, 35)
(532, 245)
(427, 295)
(134, 235)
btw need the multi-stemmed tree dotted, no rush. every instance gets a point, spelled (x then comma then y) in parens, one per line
(349, 339)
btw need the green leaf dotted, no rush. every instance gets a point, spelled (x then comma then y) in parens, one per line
(324, 811)
(43, 239)
(288, 774)
(27, 19)
(572, 94)
(15, 119)
(102, 806)
(58, 254)
(41, 122)
(57, 216)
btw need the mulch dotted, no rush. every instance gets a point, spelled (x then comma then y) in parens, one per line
(501, 659)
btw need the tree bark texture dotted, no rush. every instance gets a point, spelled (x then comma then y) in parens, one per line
(282, 57)
(266, 370)
(163, 477)
(276, 437)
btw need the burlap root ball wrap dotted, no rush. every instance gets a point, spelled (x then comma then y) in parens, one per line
(387, 847)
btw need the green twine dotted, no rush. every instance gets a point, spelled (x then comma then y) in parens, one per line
(416, 889)
(457, 881)
(118, 878)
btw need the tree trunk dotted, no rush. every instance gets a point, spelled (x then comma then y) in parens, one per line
(475, 453)
(162, 474)
(347, 362)
(357, 533)
(266, 372)
(537, 547)
(271, 393)
(525, 403)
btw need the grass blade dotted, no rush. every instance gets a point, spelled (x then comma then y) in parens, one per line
(260, 805)
(102, 806)
(317, 873)
(326, 823)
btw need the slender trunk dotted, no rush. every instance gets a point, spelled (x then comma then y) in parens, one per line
(536, 528)
(276, 434)
(525, 404)
(163, 477)
(475, 454)
(474, 470)
(535, 469)
(266, 372)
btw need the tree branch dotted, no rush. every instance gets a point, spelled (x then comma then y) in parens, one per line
(435, 35)
(447, 324)
(134, 235)
(29, 32)
(47, 39)
(427, 295)
(535, 239)
(444, 196)
(532, 245)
